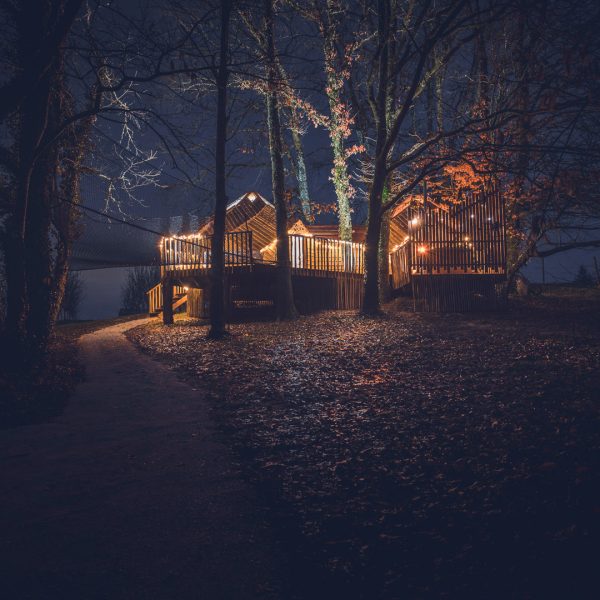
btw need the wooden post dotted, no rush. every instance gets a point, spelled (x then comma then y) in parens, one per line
(167, 301)
(543, 271)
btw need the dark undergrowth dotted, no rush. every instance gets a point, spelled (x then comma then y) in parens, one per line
(41, 392)
(417, 455)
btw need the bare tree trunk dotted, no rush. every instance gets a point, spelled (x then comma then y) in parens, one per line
(371, 292)
(385, 292)
(217, 266)
(516, 255)
(65, 214)
(300, 164)
(341, 183)
(341, 179)
(38, 255)
(296, 157)
(285, 307)
(371, 304)
(41, 30)
(33, 122)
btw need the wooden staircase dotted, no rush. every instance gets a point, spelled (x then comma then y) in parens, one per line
(155, 298)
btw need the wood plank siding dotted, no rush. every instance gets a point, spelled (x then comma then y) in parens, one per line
(467, 238)
(450, 257)
(453, 257)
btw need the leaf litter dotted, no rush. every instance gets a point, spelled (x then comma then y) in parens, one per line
(416, 455)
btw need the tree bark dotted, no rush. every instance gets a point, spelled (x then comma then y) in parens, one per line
(337, 127)
(285, 307)
(28, 214)
(385, 292)
(65, 214)
(301, 175)
(371, 302)
(217, 266)
(341, 180)
(38, 255)
(32, 265)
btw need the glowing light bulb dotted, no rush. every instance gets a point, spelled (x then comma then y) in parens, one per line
(422, 249)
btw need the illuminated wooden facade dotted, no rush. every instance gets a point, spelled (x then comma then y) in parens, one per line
(448, 257)
(452, 256)
(326, 273)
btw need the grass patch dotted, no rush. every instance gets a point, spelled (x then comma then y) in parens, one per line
(42, 393)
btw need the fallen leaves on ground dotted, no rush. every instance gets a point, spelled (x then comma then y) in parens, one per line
(418, 455)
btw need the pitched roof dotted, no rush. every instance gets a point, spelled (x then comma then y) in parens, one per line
(239, 211)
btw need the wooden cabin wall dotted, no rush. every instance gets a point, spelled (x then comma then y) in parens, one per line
(468, 238)
(340, 292)
(452, 293)
(400, 266)
(196, 303)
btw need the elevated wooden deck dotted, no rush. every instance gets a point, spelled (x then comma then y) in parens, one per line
(326, 274)
(309, 256)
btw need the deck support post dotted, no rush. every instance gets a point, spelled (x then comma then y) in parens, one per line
(167, 301)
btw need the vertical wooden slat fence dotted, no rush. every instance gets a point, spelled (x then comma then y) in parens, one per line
(468, 238)
(456, 257)
(331, 256)
(193, 253)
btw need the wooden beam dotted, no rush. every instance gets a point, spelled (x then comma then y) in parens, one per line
(168, 301)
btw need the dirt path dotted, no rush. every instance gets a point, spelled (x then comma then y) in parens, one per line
(129, 494)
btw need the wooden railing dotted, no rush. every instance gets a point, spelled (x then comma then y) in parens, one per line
(194, 252)
(320, 254)
(155, 297)
(306, 253)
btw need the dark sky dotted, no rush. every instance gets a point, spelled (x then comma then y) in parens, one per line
(176, 195)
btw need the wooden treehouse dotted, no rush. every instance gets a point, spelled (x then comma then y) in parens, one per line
(326, 273)
(449, 258)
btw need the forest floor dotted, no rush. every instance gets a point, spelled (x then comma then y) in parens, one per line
(130, 493)
(417, 455)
